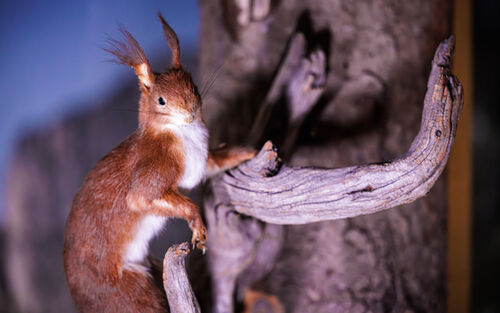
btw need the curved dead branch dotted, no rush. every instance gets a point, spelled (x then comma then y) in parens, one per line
(181, 298)
(291, 195)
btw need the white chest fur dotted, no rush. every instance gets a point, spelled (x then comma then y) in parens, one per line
(194, 138)
(137, 250)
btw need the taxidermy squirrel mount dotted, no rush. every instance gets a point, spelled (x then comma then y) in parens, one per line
(127, 197)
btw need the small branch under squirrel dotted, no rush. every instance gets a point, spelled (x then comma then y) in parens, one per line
(180, 295)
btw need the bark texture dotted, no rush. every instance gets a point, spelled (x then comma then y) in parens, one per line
(181, 298)
(377, 55)
(287, 195)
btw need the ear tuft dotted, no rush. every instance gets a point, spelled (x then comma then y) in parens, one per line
(129, 52)
(173, 42)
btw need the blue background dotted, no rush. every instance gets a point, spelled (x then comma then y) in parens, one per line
(51, 57)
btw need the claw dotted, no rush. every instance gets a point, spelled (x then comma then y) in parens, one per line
(199, 237)
(202, 247)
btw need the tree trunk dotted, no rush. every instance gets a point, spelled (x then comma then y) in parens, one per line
(378, 56)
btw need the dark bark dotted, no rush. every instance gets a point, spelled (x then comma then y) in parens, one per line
(377, 58)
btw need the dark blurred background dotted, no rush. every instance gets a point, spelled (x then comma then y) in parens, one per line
(486, 154)
(62, 96)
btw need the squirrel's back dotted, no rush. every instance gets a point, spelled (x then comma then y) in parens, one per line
(99, 231)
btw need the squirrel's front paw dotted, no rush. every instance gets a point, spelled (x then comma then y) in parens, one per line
(247, 154)
(242, 154)
(199, 234)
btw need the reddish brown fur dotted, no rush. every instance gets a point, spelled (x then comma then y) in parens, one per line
(136, 179)
(97, 231)
(177, 86)
(225, 158)
(172, 41)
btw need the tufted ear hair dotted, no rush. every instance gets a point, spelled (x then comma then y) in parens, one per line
(129, 52)
(172, 41)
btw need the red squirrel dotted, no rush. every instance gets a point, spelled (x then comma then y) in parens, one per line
(127, 197)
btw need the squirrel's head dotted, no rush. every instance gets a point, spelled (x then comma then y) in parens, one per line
(167, 99)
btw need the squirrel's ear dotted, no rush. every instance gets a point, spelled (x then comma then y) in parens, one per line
(172, 41)
(129, 52)
(144, 74)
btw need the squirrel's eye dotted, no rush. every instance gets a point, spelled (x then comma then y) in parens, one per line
(161, 101)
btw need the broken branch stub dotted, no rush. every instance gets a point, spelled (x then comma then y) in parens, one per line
(301, 77)
(180, 295)
(292, 195)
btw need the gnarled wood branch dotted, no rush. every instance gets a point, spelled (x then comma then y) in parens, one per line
(242, 250)
(290, 195)
(181, 298)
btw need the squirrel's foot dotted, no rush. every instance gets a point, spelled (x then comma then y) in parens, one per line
(242, 154)
(199, 234)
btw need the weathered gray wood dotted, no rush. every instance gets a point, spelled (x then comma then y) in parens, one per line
(301, 77)
(181, 298)
(243, 250)
(229, 260)
(248, 244)
(378, 55)
(305, 195)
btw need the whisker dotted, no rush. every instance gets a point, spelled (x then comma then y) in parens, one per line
(139, 111)
(204, 80)
(208, 98)
(207, 86)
